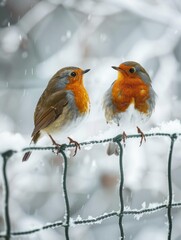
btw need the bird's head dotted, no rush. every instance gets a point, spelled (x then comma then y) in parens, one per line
(68, 76)
(73, 74)
(132, 69)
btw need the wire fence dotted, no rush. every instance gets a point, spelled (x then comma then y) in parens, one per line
(68, 221)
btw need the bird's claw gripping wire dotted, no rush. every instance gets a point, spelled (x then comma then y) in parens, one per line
(58, 147)
(77, 145)
(142, 136)
(121, 137)
(124, 137)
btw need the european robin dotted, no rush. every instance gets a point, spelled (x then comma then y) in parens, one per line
(130, 97)
(63, 102)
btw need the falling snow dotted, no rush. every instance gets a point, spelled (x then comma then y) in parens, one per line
(37, 38)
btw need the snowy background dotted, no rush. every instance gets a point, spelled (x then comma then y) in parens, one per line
(37, 38)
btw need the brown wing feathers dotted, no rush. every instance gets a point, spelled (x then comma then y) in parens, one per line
(50, 112)
(51, 108)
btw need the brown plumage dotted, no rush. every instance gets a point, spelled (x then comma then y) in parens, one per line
(59, 104)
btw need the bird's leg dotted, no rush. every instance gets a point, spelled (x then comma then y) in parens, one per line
(57, 145)
(124, 136)
(142, 136)
(77, 145)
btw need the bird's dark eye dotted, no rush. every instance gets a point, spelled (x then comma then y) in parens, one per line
(73, 74)
(132, 70)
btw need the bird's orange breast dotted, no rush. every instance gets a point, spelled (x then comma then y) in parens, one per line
(128, 91)
(80, 96)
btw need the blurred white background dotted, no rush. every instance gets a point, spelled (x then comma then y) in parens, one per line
(37, 38)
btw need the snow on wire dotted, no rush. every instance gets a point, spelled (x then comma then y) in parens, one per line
(68, 222)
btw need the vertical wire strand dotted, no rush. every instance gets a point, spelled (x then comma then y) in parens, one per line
(170, 193)
(65, 195)
(121, 189)
(6, 156)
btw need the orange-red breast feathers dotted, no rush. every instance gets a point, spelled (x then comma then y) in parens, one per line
(132, 87)
(80, 94)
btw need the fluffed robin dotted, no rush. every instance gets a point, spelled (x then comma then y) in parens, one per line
(130, 97)
(63, 102)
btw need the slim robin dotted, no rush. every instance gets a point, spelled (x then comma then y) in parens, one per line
(63, 102)
(130, 97)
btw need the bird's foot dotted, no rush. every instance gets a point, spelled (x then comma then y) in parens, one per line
(124, 137)
(57, 145)
(121, 137)
(77, 145)
(142, 136)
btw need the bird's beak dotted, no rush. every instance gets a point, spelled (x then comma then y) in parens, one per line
(85, 71)
(116, 68)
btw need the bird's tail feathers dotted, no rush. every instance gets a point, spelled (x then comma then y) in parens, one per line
(34, 140)
(26, 156)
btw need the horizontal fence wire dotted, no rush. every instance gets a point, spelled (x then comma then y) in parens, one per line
(68, 221)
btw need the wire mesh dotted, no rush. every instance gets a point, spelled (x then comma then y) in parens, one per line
(8, 233)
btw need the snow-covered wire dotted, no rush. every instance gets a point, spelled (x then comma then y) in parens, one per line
(5, 157)
(92, 220)
(65, 195)
(170, 194)
(93, 142)
(121, 190)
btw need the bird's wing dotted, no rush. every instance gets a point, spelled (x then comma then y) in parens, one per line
(52, 108)
(151, 101)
